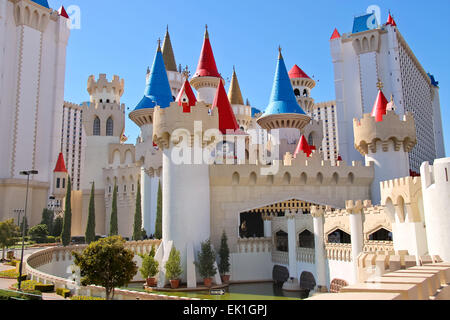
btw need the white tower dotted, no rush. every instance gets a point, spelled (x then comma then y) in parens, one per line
(436, 201)
(385, 139)
(33, 41)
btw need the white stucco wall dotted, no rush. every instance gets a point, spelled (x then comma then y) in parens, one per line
(251, 266)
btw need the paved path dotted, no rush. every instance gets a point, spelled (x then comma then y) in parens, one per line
(6, 283)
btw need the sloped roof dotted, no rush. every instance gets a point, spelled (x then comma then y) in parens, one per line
(168, 56)
(157, 91)
(187, 93)
(335, 35)
(282, 99)
(380, 106)
(303, 146)
(234, 93)
(227, 120)
(297, 72)
(207, 64)
(60, 165)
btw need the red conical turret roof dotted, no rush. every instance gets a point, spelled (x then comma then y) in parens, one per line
(303, 146)
(391, 21)
(207, 64)
(62, 12)
(296, 72)
(379, 108)
(335, 34)
(60, 165)
(227, 120)
(186, 98)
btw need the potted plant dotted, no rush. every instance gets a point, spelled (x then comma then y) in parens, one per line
(173, 268)
(149, 268)
(224, 254)
(205, 264)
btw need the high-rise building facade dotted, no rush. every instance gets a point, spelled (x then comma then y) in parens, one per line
(73, 141)
(369, 58)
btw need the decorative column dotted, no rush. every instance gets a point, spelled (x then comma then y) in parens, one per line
(319, 247)
(267, 218)
(354, 208)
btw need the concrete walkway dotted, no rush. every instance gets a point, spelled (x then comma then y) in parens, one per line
(6, 283)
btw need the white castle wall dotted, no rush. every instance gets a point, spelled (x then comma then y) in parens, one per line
(340, 270)
(388, 165)
(251, 266)
(436, 200)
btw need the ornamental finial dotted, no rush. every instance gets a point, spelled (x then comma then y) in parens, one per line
(380, 85)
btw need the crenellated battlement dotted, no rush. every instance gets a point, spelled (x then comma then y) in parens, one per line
(167, 121)
(396, 130)
(105, 91)
(299, 171)
(437, 174)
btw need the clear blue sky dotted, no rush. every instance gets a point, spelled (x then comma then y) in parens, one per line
(120, 37)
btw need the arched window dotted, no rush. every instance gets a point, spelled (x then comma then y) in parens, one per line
(305, 93)
(281, 241)
(311, 139)
(297, 92)
(96, 126)
(306, 239)
(109, 127)
(381, 235)
(339, 236)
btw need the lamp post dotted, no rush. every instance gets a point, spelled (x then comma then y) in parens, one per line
(28, 174)
(18, 212)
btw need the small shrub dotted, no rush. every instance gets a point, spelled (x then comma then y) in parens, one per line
(85, 298)
(9, 295)
(9, 274)
(44, 287)
(65, 293)
(149, 266)
(206, 260)
(173, 265)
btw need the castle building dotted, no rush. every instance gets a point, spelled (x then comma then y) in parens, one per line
(366, 56)
(33, 41)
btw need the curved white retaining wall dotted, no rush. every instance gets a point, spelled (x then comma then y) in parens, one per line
(51, 266)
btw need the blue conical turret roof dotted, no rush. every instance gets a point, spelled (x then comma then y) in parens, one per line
(157, 91)
(43, 3)
(282, 99)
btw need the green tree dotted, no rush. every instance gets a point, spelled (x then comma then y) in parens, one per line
(150, 266)
(158, 226)
(137, 227)
(47, 219)
(206, 260)
(57, 227)
(90, 228)
(173, 265)
(8, 231)
(67, 223)
(224, 254)
(113, 224)
(106, 263)
(39, 233)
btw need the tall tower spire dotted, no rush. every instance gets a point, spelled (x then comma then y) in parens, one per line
(234, 93)
(283, 104)
(207, 77)
(169, 57)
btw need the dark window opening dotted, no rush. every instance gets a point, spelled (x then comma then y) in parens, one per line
(306, 239)
(251, 225)
(339, 236)
(281, 241)
(381, 235)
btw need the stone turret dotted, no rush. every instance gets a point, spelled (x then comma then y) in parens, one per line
(105, 91)
(385, 139)
(242, 112)
(302, 85)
